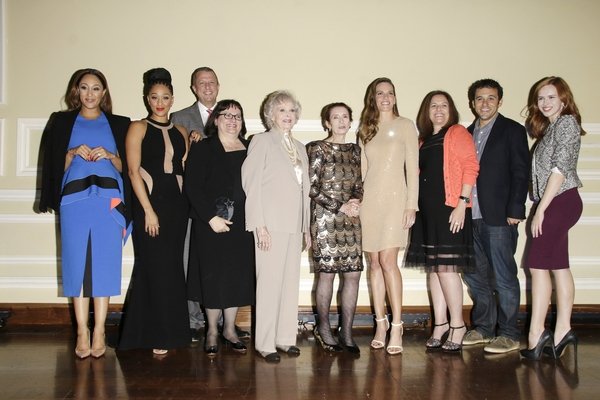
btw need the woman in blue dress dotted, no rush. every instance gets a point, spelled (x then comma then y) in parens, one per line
(82, 179)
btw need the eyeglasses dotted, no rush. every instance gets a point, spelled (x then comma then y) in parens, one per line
(237, 117)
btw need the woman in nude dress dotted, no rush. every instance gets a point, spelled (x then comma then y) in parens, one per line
(389, 160)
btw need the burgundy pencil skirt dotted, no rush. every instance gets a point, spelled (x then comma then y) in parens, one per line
(551, 249)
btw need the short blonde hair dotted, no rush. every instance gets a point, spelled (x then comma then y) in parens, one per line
(273, 99)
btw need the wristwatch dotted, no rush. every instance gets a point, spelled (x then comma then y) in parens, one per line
(465, 199)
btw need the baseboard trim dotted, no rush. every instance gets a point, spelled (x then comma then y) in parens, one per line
(62, 314)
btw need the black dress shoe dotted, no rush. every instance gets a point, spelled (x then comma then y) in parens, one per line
(291, 351)
(242, 334)
(353, 348)
(195, 334)
(270, 357)
(236, 346)
(536, 353)
(211, 351)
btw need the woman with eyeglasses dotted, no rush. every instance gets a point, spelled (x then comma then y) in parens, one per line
(222, 279)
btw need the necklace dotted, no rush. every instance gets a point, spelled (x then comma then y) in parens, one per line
(289, 147)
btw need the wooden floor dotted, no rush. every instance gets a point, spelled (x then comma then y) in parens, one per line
(38, 363)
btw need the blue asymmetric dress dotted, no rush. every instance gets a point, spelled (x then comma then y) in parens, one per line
(92, 221)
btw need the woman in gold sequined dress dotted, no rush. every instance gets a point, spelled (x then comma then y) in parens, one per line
(389, 159)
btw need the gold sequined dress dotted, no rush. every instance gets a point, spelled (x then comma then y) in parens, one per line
(335, 178)
(390, 170)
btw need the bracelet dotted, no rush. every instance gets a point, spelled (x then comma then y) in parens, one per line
(465, 199)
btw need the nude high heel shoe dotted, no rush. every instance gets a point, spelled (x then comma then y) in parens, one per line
(378, 344)
(82, 348)
(395, 349)
(98, 350)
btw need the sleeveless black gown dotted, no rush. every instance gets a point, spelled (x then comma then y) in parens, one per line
(155, 312)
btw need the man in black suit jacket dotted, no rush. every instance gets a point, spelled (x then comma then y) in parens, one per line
(205, 86)
(498, 207)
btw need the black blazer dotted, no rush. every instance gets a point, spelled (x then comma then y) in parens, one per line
(207, 163)
(53, 148)
(503, 172)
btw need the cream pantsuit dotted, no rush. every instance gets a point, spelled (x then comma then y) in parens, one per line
(277, 277)
(276, 200)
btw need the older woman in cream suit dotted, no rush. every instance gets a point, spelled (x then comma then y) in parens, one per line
(275, 179)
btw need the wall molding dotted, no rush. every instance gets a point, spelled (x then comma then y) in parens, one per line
(20, 195)
(3, 41)
(50, 218)
(28, 219)
(2, 141)
(592, 129)
(28, 167)
(25, 127)
(45, 260)
(588, 174)
(417, 285)
(30, 195)
(254, 125)
(589, 221)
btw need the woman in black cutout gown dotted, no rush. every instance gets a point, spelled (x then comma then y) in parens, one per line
(155, 312)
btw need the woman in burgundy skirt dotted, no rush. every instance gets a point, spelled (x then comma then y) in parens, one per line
(553, 119)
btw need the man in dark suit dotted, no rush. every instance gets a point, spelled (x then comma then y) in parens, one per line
(205, 86)
(498, 207)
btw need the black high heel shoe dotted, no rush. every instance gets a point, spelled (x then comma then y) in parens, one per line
(333, 348)
(434, 343)
(558, 350)
(450, 345)
(211, 350)
(536, 353)
(238, 346)
(352, 348)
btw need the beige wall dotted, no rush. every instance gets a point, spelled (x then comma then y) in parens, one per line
(321, 50)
